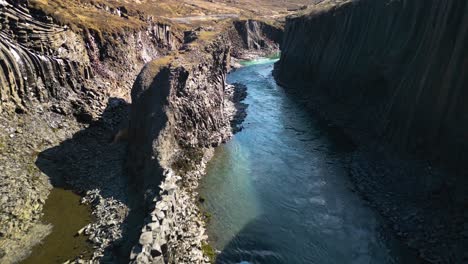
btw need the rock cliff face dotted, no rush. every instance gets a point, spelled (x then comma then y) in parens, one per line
(180, 111)
(42, 61)
(38, 58)
(403, 61)
(255, 35)
(184, 98)
(50, 78)
(392, 76)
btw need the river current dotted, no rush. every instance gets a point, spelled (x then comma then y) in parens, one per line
(278, 192)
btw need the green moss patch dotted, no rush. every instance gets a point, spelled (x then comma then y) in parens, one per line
(187, 160)
(209, 251)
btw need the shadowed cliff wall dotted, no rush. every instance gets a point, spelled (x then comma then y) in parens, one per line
(405, 62)
(178, 107)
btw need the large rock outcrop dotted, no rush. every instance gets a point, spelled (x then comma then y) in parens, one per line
(180, 111)
(405, 62)
(178, 101)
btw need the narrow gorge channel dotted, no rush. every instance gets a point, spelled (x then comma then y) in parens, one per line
(278, 192)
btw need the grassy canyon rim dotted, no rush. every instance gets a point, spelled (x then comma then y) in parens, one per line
(115, 16)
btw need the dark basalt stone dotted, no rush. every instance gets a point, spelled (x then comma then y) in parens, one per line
(403, 63)
(392, 75)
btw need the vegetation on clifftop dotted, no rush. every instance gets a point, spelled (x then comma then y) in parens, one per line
(80, 15)
(112, 16)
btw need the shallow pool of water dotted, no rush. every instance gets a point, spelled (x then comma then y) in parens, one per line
(66, 215)
(278, 191)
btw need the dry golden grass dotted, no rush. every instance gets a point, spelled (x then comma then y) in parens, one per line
(207, 35)
(155, 65)
(80, 16)
(323, 6)
(89, 14)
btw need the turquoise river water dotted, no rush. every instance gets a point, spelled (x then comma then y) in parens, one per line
(279, 193)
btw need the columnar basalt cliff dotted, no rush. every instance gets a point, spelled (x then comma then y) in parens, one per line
(180, 111)
(38, 58)
(257, 36)
(42, 61)
(403, 60)
(392, 67)
(186, 93)
(391, 75)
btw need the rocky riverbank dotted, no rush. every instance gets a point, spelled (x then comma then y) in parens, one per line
(175, 230)
(23, 187)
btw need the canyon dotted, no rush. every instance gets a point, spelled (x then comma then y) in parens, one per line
(124, 103)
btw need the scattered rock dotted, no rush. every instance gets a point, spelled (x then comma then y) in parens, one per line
(146, 238)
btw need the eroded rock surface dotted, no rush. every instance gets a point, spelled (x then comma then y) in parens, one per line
(260, 37)
(38, 57)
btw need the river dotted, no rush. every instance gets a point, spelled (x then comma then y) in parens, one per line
(279, 192)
